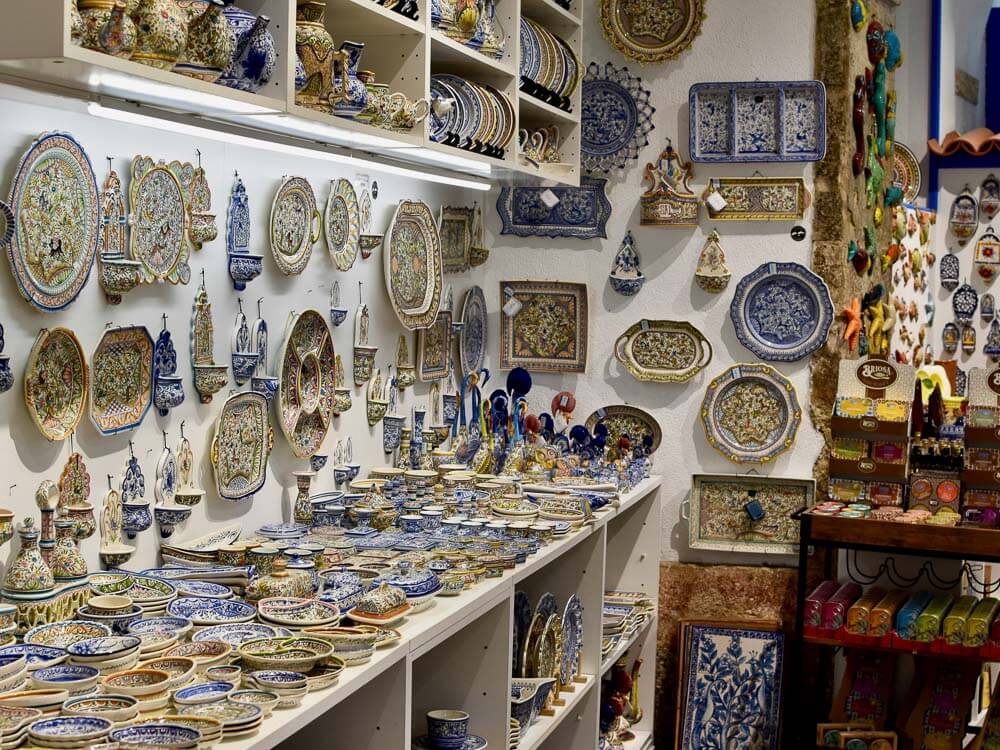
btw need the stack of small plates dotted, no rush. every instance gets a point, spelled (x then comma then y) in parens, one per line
(13, 671)
(283, 530)
(205, 589)
(14, 722)
(78, 679)
(179, 626)
(514, 735)
(211, 729)
(153, 644)
(112, 653)
(173, 736)
(290, 687)
(119, 709)
(152, 595)
(65, 633)
(238, 719)
(205, 653)
(65, 732)
(36, 656)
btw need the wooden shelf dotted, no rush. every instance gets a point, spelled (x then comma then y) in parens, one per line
(834, 643)
(365, 18)
(543, 726)
(550, 14)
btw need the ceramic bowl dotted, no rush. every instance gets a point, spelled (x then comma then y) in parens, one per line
(103, 649)
(204, 692)
(15, 720)
(266, 699)
(166, 736)
(63, 634)
(42, 699)
(293, 654)
(115, 707)
(66, 730)
(16, 681)
(118, 622)
(179, 625)
(36, 656)
(110, 604)
(137, 682)
(205, 653)
(225, 673)
(353, 645)
(11, 665)
(448, 728)
(277, 680)
(72, 677)
(110, 667)
(211, 729)
(154, 702)
(180, 668)
(153, 644)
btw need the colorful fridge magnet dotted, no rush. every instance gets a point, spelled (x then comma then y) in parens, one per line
(668, 202)
(964, 216)
(987, 258)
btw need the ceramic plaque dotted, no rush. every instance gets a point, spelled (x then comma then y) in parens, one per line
(616, 118)
(760, 198)
(782, 312)
(651, 32)
(241, 446)
(765, 121)
(434, 349)
(294, 226)
(121, 379)
(906, 171)
(549, 331)
(621, 419)
(412, 265)
(158, 205)
(455, 226)
(306, 383)
(663, 351)
(342, 224)
(719, 519)
(55, 383)
(472, 339)
(581, 212)
(750, 413)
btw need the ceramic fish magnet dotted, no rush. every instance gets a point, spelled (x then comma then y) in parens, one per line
(987, 259)
(712, 273)
(989, 196)
(964, 217)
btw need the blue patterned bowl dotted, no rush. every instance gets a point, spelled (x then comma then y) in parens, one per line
(169, 736)
(338, 315)
(244, 268)
(37, 656)
(69, 729)
(626, 286)
(244, 364)
(206, 692)
(118, 622)
(179, 625)
(448, 728)
(72, 677)
(281, 679)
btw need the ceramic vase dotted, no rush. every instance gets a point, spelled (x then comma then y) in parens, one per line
(106, 27)
(302, 512)
(315, 48)
(161, 33)
(254, 55)
(210, 42)
(345, 68)
(28, 573)
(67, 563)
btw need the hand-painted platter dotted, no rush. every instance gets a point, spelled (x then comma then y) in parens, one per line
(905, 171)
(550, 332)
(55, 383)
(55, 203)
(572, 640)
(663, 351)
(121, 379)
(782, 312)
(615, 120)
(342, 224)
(294, 226)
(412, 265)
(652, 32)
(159, 236)
(621, 419)
(472, 339)
(202, 611)
(241, 446)
(306, 383)
(522, 622)
(750, 413)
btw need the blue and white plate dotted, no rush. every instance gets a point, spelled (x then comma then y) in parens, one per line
(68, 728)
(782, 312)
(63, 634)
(170, 735)
(105, 647)
(572, 639)
(202, 611)
(236, 633)
(179, 625)
(204, 589)
(616, 118)
(66, 673)
(472, 742)
(37, 656)
(205, 692)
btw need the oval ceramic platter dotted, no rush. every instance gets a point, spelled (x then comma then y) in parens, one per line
(55, 386)
(55, 203)
(342, 224)
(663, 351)
(472, 340)
(307, 377)
(121, 379)
(750, 413)
(159, 237)
(621, 419)
(241, 446)
(294, 225)
(782, 312)
(412, 265)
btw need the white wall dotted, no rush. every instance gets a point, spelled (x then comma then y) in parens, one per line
(29, 458)
(773, 42)
(963, 45)
(913, 25)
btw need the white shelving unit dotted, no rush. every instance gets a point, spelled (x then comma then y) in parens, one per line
(35, 48)
(457, 654)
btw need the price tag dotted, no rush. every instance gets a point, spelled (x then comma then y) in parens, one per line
(549, 198)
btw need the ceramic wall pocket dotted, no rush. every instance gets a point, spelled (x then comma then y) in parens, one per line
(209, 378)
(434, 349)
(782, 312)
(294, 226)
(376, 400)
(712, 273)
(342, 224)
(412, 265)
(989, 195)
(455, 228)
(338, 313)
(254, 55)
(6, 374)
(478, 253)
(964, 217)
(651, 33)
(987, 307)
(964, 303)
(750, 413)
(616, 118)
(549, 332)
(987, 257)
(160, 221)
(56, 383)
(306, 383)
(949, 271)
(621, 419)
(118, 272)
(113, 551)
(626, 276)
(663, 351)
(472, 341)
(121, 379)
(199, 206)
(186, 493)
(406, 371)
(168, 386)
(364, 354)
(243, 266)
(54, 201)
(759, 121)
(668, 201)
(950, 338)
(758, 198)
(581, 212)
(241, 446)
(242, 352)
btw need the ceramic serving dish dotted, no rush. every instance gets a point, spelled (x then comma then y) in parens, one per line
(663, 351)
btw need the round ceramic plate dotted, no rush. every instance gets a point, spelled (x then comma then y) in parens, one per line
(305, 390)
(204, 611)
(750, 413)
(55, 386)
(65, 633)
(412, 265)
(616, 118)
(159, 237)
(905, 171)
(342, 224)
(651, 32)
(782, 312)
(55, 202)
(472, 340)
(294, 225)
(621, 419)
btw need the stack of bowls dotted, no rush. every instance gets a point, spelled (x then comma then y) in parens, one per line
(119, 709)
(353, 645)
(266, 699)
(290, 687)
(238, 719)
(77, 679)
(154, 643)
(161, 735)
(180, 626)
(203, 692)
(182, 670)
(13, 672)
(152, 595)
(14, 724)
(108, 654)
(65, 633)
(48, 701)
(211, 729)
(68, 731)
(205, 653)
(113, 610)
(150, 686)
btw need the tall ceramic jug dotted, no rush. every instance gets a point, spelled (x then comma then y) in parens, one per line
(346, 69)
(162, 31)
(316, 50)
(254, 56)
(210, 43)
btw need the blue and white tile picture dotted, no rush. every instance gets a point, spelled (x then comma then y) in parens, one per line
(580, 212)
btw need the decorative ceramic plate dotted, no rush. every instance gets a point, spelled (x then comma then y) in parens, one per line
(455, 227)
(616, 118)
(342, 224)
(305, 390)
(121, 379)
(412, 265)
(766, 121)
(581, 212)
(55, 203)
(241, 446)
(202, 611)
(294, 225)
(782, 312)
(621, 419)
(55, 383)
(651, 32)
(64, 634)
(212, 541)
(236, 633)
(472, 339)
(572, 640)
(434, 349)
(549, 333)
(750, 413)
(522, 622)
(663, 351)
(159, 237)
(905, 171)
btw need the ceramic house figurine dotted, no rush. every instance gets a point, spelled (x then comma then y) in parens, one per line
(712, 273)
(626, 277)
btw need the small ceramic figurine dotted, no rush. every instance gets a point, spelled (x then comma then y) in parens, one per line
(626, 276)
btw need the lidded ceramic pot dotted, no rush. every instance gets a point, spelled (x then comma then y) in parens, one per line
(281, 582)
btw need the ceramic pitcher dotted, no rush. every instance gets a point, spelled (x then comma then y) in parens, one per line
(315, 48)
(346, 69)
(161, 33)
(254, 55)
(210, 42)
(105, 27)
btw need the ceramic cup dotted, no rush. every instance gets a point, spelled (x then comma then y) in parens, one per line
(447, 728)
(263, 559)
